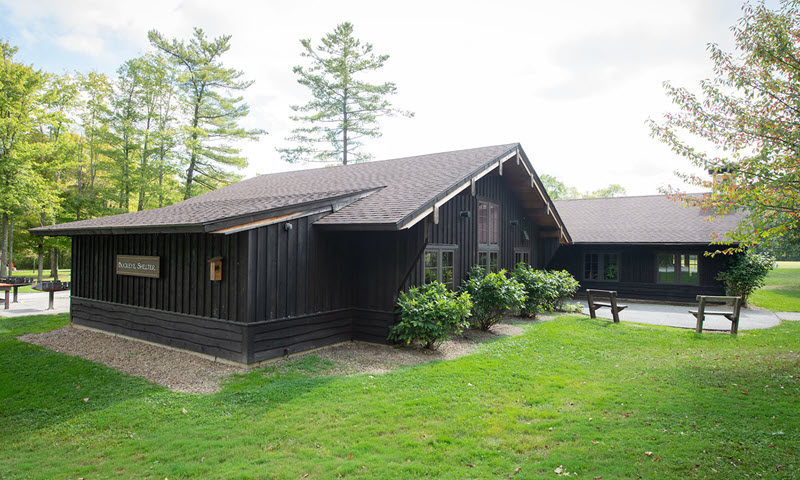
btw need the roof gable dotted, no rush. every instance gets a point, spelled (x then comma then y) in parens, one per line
(389, 194)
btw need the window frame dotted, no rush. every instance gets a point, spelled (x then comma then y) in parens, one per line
(677, 258)
(601, 266)
(491, 250)
(522, 251)
(439, 250)
(490, 206)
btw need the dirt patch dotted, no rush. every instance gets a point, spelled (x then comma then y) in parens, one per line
(185, 372)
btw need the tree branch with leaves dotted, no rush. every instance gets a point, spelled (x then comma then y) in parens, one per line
(748, 118)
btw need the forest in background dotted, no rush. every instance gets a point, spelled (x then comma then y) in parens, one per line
(79, 145)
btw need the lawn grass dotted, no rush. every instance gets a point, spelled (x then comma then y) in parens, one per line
(63, 274)
(786, 275)
(782, 292)
(595, 398)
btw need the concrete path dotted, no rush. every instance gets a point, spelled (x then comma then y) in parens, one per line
(35, 303)
(679, 316)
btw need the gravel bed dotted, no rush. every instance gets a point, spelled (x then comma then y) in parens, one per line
(184, 372)
(174, 369)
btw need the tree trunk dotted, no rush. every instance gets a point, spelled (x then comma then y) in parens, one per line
(11, 246)
(4, 246)
(344, 129)
(54, 263)
(41, 264)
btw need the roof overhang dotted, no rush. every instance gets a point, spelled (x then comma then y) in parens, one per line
(526, 184)
(224, 226)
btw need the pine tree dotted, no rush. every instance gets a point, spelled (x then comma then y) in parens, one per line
(213, 113)
(345, 108)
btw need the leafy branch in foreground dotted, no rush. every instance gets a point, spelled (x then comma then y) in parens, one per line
(749, 113)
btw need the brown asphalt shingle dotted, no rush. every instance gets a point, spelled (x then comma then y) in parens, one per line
(402, 186)
(645, 219)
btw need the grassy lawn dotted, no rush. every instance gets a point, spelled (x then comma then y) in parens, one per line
(63, 274)
(593, 398)
(782, 289)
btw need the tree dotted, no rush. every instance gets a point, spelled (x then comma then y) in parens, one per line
(748, 115)
(558, 190)
(20, 86)
(345, 108)
(613, 190)
(212, 112)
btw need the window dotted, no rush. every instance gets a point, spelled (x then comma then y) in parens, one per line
(489, 261)
(678, 268)
(489, 236)
(601, 266)
(488, 223)
(439, 265)
(522, 255)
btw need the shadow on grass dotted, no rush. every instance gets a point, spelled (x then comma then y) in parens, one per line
(39, 387)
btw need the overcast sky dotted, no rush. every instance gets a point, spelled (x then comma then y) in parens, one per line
(573, 81)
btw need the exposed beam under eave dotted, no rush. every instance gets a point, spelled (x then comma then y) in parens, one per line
(270, 221)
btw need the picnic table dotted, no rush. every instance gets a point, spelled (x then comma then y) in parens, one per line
(52, 288)
(6, 287)
(16, 283)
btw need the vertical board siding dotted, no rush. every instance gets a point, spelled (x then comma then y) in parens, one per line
(637, 271)
(184, 285)
(453, 229)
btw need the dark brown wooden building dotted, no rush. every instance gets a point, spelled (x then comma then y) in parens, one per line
(292, 261)
(647, 247)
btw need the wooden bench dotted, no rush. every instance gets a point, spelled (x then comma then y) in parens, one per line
(612, 303)
(6, 287)
(732, 315)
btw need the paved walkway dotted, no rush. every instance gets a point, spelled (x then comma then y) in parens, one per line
(679, 316)
(35, 303)
(667, 315)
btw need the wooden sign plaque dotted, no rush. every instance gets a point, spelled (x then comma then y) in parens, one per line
(138, 266)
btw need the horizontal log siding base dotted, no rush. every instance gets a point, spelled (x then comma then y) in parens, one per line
(233, 342)
(211, 337)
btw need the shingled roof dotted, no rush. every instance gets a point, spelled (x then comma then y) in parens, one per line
(380, 195)
(641, 220)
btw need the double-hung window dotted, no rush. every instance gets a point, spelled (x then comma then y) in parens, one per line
(489, 236)
(679, 268)
(440, 265)
(601, 267)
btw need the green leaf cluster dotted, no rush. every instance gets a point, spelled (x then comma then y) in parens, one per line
(545, 290)
(744, 273)
(430, 314)
(493, 294)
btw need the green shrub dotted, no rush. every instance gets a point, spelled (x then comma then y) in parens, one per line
(492, 295)
(545, 290)
(743, 274)
(430, 314)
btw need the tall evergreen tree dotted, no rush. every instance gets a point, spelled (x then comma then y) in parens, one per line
(345, 108)
(212, 111)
